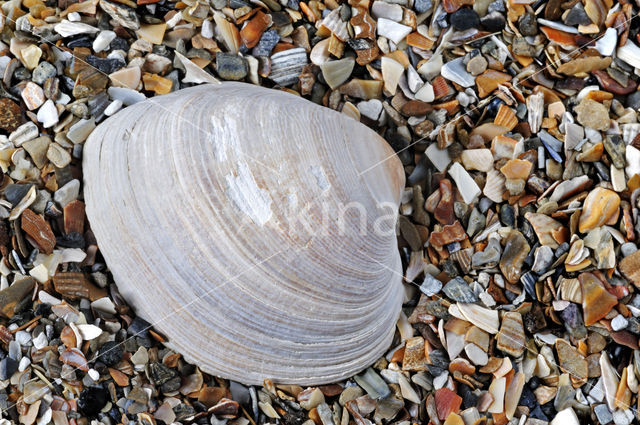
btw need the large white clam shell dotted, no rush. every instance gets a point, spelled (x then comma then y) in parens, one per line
(220, 212)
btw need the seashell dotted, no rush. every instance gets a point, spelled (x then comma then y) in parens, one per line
(320, 52)
(391, 73)
(234, 274)
(456, 71)
(194, 74)
(286, 66)
(557, 26)
(535, 108)
(337, 72)
(629, 53)
(506, 117)
(494, 187)
(609, 379)
(227, 33)
(483, 318)
(571, 290)
(441, 88)
(629, 132)
(333, 24)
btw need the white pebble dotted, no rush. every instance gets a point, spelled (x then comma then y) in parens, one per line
(441, 380)
(113, 107)
(74, 17)
(207, 29)
(104, 304)
(24, 364)
(103, 40)
(127, 96)
(48, 114)
(93, 374)
(619, 322)
(47, 298)
(89, 332)
(67, 193)
(40, 341)
(23, 338)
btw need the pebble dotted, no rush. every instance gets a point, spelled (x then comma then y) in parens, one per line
(33, 96)
(42, 72)
(79, 131)
(231, 67)
(67, 193)
(103, 40)
(464, 19)
(458, 290)
(48, 114)
(477, 65)
(619, 322)
(8, 367)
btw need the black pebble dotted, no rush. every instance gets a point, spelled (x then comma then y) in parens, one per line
(15, 192)
(266, 44)
(71, 240)
(8, 367)
(119, 44)
(493, 22)
(492, 108)
(138, 327)
(469, 399)
(105, 65)
(161, 374)
(80, 41)
(633, 100)
(422, 6)
(528, 398)
(110, 353)
(507, 215)
(92, 400)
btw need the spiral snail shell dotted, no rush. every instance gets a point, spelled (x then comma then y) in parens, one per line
(255, 229)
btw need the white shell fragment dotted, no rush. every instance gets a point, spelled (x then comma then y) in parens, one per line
(629, 53)
(242, 272)
(455, 71)
(607, 43)
(466, 185)
(392, 30)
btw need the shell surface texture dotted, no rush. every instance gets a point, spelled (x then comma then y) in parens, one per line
(253, 228)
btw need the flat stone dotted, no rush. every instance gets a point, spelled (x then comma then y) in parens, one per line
(458, 290)
(10, 297)
(8, 367)
(516, 250)
(230, 66)
(467, 187)
(571, 361)
(58, 155)
(79, 132)
(603, 414)
(67, 193)
(33, 96)
(597, 302)
(592, 114)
